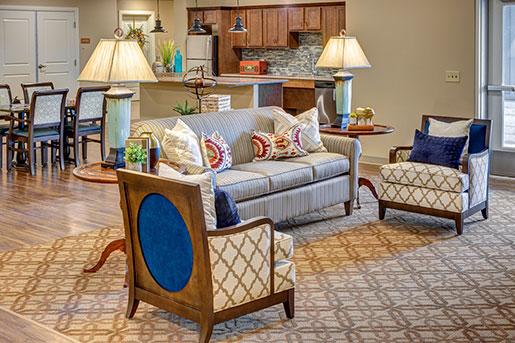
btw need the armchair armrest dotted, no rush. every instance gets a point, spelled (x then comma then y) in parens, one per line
(349, 147)
(477, 166)
(242, 262)
(399, 153)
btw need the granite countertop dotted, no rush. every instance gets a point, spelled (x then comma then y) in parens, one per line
(224, 80)
(308, 77)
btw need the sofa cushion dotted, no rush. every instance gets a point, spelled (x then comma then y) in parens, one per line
(283, 246)
(281, 174)
(425, 175)
(324, 164)
(242, 185)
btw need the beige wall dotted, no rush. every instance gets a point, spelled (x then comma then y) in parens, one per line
(410, 43)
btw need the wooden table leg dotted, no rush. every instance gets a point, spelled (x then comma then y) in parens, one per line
(367, 183)
(116, 245)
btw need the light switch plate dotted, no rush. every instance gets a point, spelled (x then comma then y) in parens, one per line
(452, 76)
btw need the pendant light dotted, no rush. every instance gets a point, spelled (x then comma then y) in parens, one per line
(196, 27)
(158, 28)
(238, 24)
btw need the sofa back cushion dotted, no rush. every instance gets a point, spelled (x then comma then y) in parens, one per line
(234, 126)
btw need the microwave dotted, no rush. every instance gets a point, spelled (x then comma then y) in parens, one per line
(253, 67)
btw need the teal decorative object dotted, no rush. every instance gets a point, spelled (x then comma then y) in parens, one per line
(178, 61)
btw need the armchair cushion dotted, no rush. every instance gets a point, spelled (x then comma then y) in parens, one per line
(425, 175)
(444, 151)
(283, 246)
(226, 210)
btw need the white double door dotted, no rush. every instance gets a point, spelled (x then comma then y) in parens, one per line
(38, 46)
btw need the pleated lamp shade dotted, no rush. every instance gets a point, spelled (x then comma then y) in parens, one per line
(343, 52)
(117, 61)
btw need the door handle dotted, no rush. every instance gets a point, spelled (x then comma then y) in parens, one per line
(500, 88)
(41, 66)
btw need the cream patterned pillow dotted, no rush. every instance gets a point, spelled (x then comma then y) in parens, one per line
(311, 141)
(181, 144)
(206, 182)
(455, 129)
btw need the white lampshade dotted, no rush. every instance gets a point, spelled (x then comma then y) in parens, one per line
(343, 52)
(117, 61)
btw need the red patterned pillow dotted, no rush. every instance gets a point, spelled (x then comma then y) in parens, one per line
(274, 146)
(217, 153)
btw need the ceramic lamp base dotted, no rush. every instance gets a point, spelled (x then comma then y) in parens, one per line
(343, 85)
(115, 159)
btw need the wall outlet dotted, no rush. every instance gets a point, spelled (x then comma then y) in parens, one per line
(452, 76)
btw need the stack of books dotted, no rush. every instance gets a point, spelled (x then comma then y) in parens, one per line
(216, 103)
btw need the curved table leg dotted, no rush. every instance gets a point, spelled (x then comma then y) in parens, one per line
(367, 183)
(116, 245)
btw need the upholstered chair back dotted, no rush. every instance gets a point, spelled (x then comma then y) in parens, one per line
(5, 95)
(480, 130)
(90, 103)
(47, 107)
(30, 88)
(234, 126)
(166, 240)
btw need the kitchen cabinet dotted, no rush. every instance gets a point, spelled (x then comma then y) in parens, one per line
(312, 18)
(239, 39)
(333, 21)
(275, 27)
(254, 28)
(296, 18)
(209, 17)
(304, 19)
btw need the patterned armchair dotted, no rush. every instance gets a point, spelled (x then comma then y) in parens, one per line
(436, 190)
(206, 276)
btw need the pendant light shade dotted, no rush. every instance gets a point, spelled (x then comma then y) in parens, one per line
(238, 24)
(196, 27)
(157, 27)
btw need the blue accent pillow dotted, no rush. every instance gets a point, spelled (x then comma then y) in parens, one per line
(477, 135)
(226, 210)
(165, 242)
(443, 151)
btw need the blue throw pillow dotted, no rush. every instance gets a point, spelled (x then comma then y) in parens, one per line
(443, 151)
(226, 210)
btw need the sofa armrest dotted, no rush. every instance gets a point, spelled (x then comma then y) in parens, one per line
(349, 147)
(477, 166)
(399, 153)
(242, 262)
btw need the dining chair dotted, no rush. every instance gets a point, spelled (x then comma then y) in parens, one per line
(28, 89)
(45, 123)
(5, 100)
(89, 119)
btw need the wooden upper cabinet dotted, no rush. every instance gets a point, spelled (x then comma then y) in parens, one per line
(209, 17)
(192, 15)
(312, 18)
(296, 19)
(238, 39)
(275, 27)
(254, 28)
(333, 21)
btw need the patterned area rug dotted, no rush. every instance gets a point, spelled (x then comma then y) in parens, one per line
(405, 279)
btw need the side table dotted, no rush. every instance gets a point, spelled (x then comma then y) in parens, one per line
(378, 130)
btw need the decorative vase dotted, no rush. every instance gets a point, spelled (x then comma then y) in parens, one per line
(134, 166)
(154, 149)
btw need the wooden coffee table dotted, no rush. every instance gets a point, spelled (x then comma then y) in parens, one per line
(378, 130)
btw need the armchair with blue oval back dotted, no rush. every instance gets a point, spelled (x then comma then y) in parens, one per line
(442, 191)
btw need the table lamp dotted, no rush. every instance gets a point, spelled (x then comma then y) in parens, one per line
(117, 61)
(343, 52)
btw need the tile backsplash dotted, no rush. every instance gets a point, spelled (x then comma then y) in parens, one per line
(292, 61)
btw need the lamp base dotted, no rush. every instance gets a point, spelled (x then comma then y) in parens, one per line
(343, 85)
(115, 159)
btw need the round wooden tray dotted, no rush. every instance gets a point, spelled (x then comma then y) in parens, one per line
(93, 172)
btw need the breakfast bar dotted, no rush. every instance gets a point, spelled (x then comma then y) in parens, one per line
(158, 99)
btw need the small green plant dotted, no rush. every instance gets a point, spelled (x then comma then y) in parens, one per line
(184, 109)
(167, 49)
(135, 153)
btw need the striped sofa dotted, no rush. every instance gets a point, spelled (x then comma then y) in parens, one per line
(277, 189)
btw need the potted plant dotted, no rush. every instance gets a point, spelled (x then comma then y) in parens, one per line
(135, 156)
(167, 49)
(184, 109)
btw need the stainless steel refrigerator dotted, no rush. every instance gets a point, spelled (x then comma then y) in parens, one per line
(202, 50)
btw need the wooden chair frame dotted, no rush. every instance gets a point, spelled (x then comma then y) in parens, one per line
(75, 133)
(195, 300)
(458, 218)
(56, 141)
(4, 117)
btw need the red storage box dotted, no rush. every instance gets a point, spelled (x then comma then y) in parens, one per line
(253, 67)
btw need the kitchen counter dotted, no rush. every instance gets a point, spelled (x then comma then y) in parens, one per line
(306, 77)
(157, 100)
